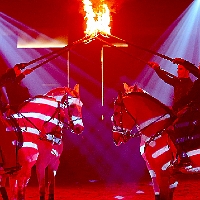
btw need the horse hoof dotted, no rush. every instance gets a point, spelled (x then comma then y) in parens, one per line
(51, 197)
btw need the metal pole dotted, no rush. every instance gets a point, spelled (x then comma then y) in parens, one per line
(102, 81)
(68, 67)
(102, 68)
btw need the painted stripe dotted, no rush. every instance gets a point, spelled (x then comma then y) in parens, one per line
(75, 101)
(30, 130)
(152, 173)
(55, 152)
(160, 151)
(193, 152)
(166, 165)
(193, 170)
(142, 147)
(30, 145)
(152, 120)
(77, 120)
(52, 102)
(37, 116)
(174, 185)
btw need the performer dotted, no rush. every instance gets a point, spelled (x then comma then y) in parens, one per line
(11, 138)
(187, 125)
(182, 85)
(16, 92)
(193, 94)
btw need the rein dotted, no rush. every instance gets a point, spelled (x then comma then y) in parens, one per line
(71, 120)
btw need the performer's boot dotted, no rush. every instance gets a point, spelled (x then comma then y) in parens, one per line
(183, 158)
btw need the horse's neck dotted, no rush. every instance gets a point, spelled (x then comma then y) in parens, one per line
(151, 118)
(145, 109)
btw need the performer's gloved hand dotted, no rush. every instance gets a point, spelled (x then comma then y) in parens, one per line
(154, 65)
(179, 61)
(21, 65)
(27, 71)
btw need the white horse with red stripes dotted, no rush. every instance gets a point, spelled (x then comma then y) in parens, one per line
(153, 120)
(42, 120)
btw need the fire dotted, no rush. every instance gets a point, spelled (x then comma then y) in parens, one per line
(97, 19)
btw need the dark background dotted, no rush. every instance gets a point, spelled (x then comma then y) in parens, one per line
(93, 155)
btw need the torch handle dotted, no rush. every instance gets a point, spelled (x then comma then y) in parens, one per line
(148, 50)
(56, 52)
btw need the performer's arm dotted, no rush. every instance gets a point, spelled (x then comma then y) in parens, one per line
(23, 74)
(164, 75)
(190, 97)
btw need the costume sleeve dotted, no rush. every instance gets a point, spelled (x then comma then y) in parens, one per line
(191, 96)
(7, 77)
(166, 77)
(20, 77)
(191, 68)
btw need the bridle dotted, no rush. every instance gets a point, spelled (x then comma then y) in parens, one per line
(65, 102)
(120, 128)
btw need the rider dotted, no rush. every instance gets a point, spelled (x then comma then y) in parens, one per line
(182, 84)
(193, 94)
(190, 105)
(12, 76)
(11, 80)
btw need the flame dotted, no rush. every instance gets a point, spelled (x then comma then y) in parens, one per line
(98, 19)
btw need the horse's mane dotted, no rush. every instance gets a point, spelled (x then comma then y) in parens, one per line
(62, 91)
(145, 94)
(59, 91)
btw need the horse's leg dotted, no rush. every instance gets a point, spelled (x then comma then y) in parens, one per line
(51, 183)
(40, 171)
(21, 189)
(167, 186)
(52, 169)
(153, 179)
(13, 187)
(22, 180)
(17, 187)
(3, 191)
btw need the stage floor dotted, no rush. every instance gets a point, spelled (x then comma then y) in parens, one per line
(188, 189)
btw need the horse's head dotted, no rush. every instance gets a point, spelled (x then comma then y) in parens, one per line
(123, 121)
(135, 108)
(70, 100)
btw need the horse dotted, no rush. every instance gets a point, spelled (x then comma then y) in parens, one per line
(50, 152)
(138, 114)
(41, 120)
(8, 146)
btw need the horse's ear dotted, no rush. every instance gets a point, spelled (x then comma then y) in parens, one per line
(76, 88)
(126, 87)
